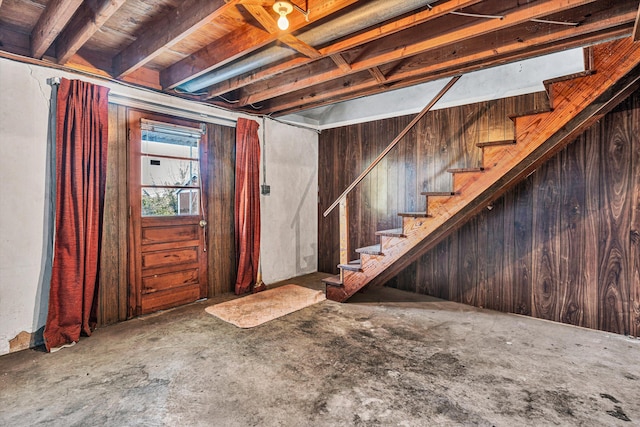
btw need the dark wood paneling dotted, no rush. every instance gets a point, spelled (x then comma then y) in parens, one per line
(508, 258)
(495, 254)
(522, 247)
(615, 197)
(562, 245)
(546, 247)
(634, 233)
(591, 224)
(220, 190)
(112, 292)
(467, 258)
(572, 235)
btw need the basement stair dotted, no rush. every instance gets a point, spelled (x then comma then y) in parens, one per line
(576, 102)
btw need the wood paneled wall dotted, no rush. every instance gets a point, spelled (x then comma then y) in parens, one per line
(442, 139)
(562, 245)
(219, 191)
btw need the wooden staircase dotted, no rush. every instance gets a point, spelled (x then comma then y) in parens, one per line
(576, 102)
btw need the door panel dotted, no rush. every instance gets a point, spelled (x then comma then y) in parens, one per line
(151, 235)
(168, 264)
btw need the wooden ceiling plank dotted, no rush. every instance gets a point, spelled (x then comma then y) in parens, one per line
(83, 26)
(55, 17)
(171, 28)
(636, 27)
(437, 10)
(219, 53)
(437, 68)
(295, 80)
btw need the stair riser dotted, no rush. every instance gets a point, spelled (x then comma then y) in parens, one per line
(388, 243)
(410, 224)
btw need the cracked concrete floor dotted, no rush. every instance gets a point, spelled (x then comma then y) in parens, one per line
(386, 358)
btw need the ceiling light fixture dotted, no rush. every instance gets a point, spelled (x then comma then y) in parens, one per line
(283, 8)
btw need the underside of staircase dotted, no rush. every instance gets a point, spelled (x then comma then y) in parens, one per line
(576, 102)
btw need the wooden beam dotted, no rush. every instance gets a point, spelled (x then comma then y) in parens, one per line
(263, 73)
(231, 47)
(636, 27)
(263, 17)
(84, 25)
(443, 63)
(54, 18)
(174, 26)
(299, 79)
(377, 74)
(341, 62)
(300, 46)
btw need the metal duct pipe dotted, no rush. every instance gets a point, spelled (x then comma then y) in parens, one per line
(363, 17)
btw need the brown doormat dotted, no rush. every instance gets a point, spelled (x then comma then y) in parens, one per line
(256, 309)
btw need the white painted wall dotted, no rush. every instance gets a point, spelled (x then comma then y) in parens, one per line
(289, 214)
(24, 109)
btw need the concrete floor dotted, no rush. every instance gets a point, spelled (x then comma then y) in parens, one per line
(385, 358)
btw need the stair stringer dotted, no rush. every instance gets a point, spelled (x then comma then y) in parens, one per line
(578, 103)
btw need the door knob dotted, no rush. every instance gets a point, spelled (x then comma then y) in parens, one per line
(202, 223)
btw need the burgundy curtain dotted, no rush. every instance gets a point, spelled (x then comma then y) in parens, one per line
(81, 161)
(247, 204)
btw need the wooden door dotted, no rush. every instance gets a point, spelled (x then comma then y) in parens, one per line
(168, 262)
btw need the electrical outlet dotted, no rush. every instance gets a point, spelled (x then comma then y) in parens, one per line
(266, 189)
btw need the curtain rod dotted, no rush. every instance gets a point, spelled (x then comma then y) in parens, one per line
(159, 107)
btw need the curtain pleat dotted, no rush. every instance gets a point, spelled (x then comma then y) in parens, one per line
(81, 167)
(247, 204)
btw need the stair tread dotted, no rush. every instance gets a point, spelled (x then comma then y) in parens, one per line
(532, 112)
(462, 170)
(415, 214)
(351, 266)
(371, 250)
(333, 280)
(438, 193)
(394, 232)
(572, 76)
(496, 143)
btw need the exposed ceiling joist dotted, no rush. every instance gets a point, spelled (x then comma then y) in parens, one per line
(636, 27)
(232, 47)
(83, 26)
(271, 26)
(52, 21)
(231, 52)
(403, 48)
(442, 63)
(341, 62)
(377, 74)
(342, 45)
(165, 32)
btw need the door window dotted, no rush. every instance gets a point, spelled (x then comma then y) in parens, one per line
(170, 172)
